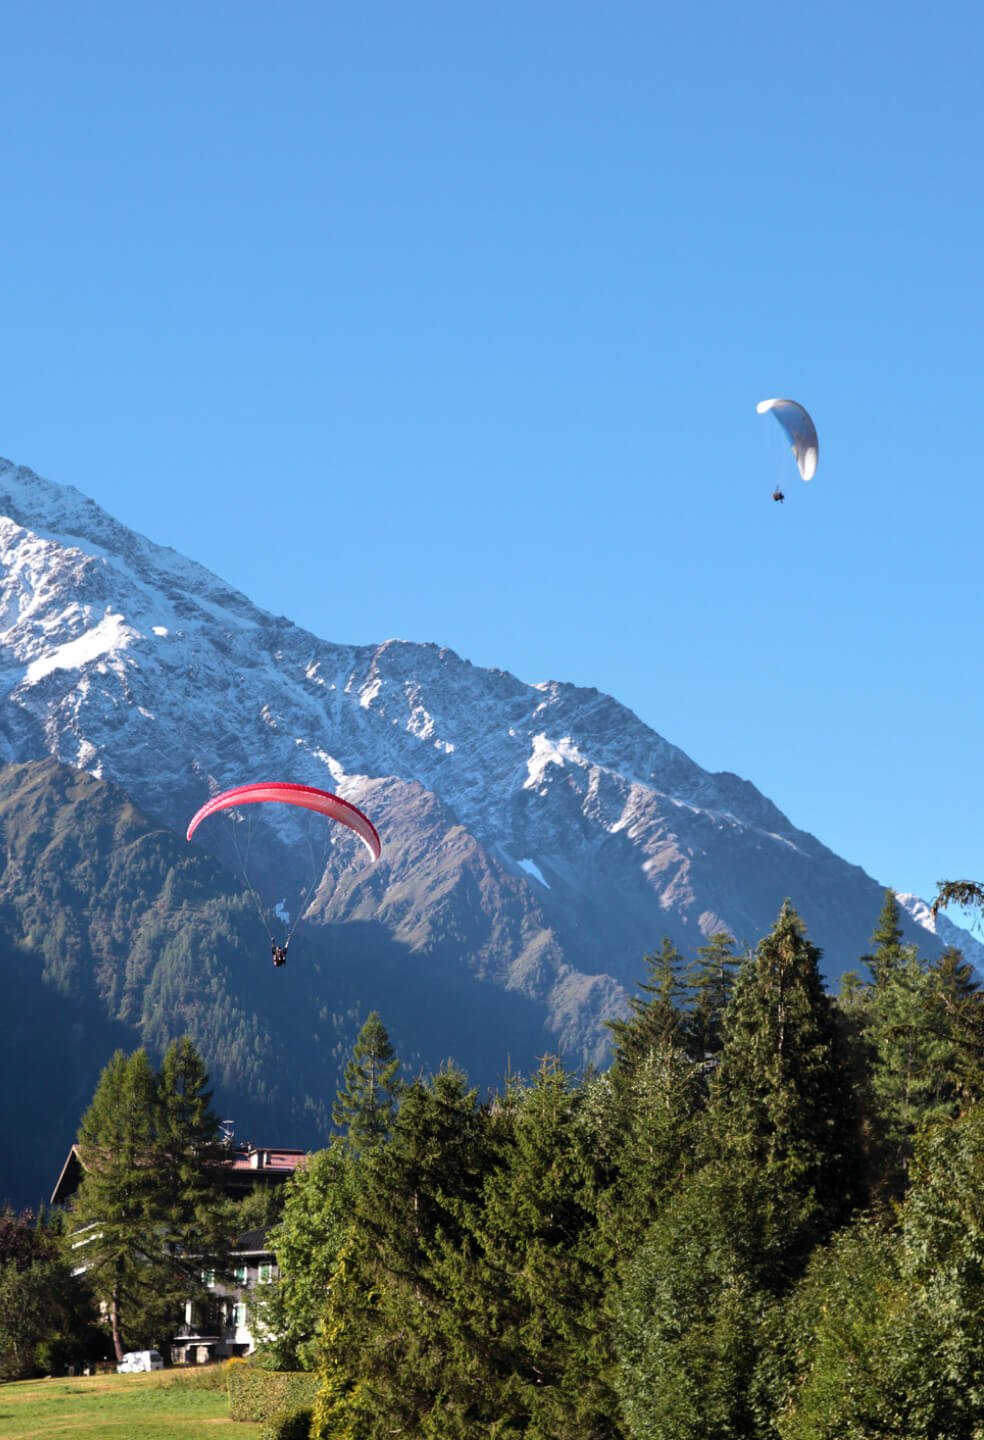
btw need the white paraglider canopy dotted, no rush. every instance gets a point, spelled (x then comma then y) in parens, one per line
(801, 431)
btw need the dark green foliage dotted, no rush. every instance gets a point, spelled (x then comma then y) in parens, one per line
(888, 951)
(710, 983)
(918, 1030)
(885, 1331)
(690, 1313)
(655, 1017)
(366, 1103)
(295, 1425)
(525, 1282)
(675, 1250)
(265, 1395)
(644, 1140)
(387, 1358)
(318, 1209)
(46, 1312)
(958, 1005)
(780, 1170)
(148, 1219)
(781, 1101)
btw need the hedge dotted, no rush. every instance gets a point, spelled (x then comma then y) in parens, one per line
(295, 1426)
(268, 1395)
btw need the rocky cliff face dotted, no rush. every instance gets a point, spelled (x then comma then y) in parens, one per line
(537, 838)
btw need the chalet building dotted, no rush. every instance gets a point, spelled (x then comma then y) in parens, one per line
(247, 1167)
(222, 1328)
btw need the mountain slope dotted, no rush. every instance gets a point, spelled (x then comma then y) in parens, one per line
(115, 933)
(538, 839)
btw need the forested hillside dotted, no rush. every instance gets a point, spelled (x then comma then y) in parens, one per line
(115, 932)
(765, 1222)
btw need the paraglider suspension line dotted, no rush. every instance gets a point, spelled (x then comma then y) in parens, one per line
(316, 868)
(243, 859)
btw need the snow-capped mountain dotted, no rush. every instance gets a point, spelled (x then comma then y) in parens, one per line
(944, 929)
(538, 836)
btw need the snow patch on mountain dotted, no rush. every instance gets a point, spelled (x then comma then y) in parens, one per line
(111, 634)
(532, 868)
(943, 928)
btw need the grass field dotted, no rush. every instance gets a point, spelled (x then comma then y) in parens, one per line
(167, 1405)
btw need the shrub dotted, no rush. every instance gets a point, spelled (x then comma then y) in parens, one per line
(295, 1425)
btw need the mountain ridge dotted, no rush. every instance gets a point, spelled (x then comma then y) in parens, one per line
(541, 836)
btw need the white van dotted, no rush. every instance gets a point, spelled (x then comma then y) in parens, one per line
(137, 1360)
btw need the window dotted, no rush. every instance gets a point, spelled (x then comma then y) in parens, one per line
(242, 1274)
(239, 1316)
(208, 1278)
(266, 1273)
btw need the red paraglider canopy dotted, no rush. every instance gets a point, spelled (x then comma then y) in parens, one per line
(306, 796)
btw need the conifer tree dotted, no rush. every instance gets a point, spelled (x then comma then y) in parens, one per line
(780, 1171)
(389, 1367)
(885, 1331)
(888, 951)
(644, 1137)
(366, 1104)
(115, 1213)
(526, 1297)
(710, 983)
(780, 1099)
(194, 1216)
(655, 1014)
(959, 1002)
(148, 1219)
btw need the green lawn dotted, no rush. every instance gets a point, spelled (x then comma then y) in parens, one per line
(168, 1405)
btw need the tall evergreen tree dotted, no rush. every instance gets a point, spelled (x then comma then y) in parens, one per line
(366, 1104)
(386, 1366)
(887, 950)
(781, 1170)
(959, 1003)
(654, 1015)
(780, 1099)
(147, 1220)
(710, 983)
(114, 1215)
(194, 1216)
(885, 1332)
(525, 1283)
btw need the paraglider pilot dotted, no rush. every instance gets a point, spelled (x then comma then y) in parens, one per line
(279, 953)
(778, 495)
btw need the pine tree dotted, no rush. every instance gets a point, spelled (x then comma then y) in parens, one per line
(885, 1331)
(781, 1169)
(527, 1290)
(148, 1220)
(780, 1099)
(644, 1139)
(655, 1015)
(888, 951)
(195, 1218)
(710, 983)
(389, 1367)
(115, 1214)
(959, 1002)
(366, 1104)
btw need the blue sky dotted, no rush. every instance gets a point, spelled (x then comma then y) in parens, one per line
(448, 322)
